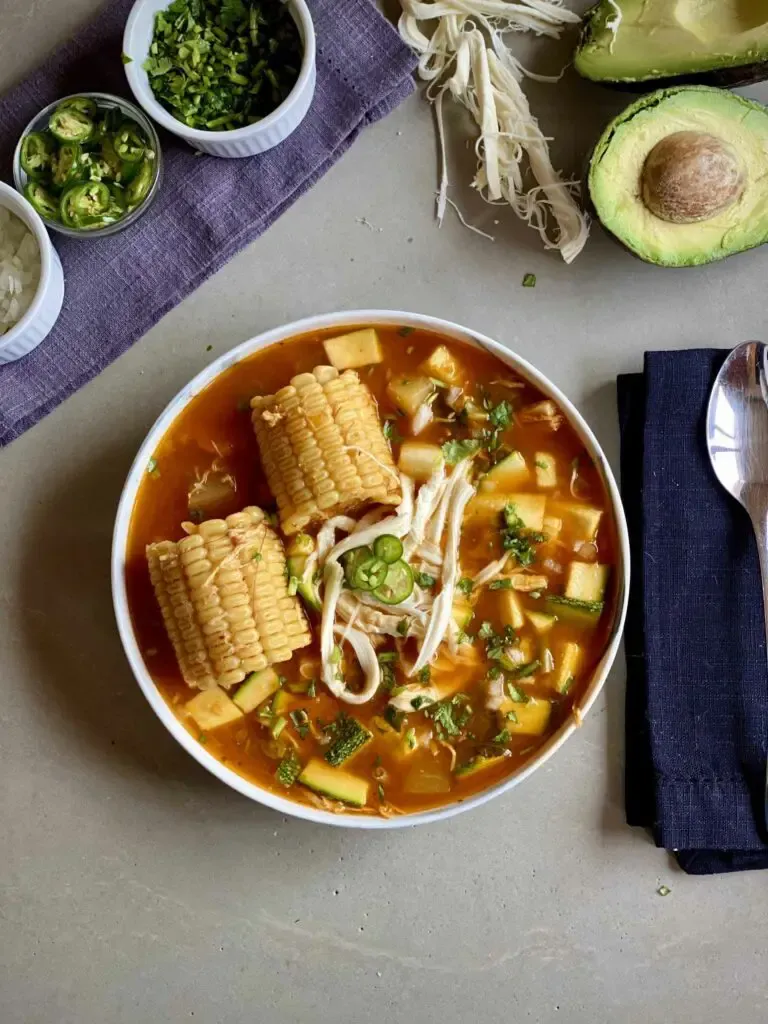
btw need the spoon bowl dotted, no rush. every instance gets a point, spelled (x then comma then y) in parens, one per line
(737, 442)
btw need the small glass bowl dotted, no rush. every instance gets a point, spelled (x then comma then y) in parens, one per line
(105, 100)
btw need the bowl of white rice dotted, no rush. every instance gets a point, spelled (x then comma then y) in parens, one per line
(31, 278)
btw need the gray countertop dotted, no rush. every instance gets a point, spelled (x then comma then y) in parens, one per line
(134, 886)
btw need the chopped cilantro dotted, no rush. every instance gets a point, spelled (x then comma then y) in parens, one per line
(540, 464)
(529, 280)
(424, 580)
(515, 693)
(425, 674)
(402, 627)
(393, 717)
(511, 716)
(565, 686)
(391, 432)
(502, 738)
(465, 585)
(312, 688)
(386, 662)
(380, 791)
(463, 638)
(410, 739)
(500, 585)
(494, 672)
(405, 331)
(457, 451)
(496, 642)
(420, 702)
(526, 670)
(515, 537)
(300, 719)
(126, 59)
(256, 556)
(500, 415)
(485, 631)
(450, 715)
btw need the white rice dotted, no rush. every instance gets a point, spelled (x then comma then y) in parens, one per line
(19, 269)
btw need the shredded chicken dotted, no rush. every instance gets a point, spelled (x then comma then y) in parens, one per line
(527, 583)
(491, 571)
(545, 413)
(464, 53)
(422, 419)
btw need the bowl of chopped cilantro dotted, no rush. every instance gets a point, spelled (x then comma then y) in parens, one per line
(231, 77)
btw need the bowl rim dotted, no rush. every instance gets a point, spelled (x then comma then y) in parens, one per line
(373, 317)
(36, 225)
(139, 82)
(143, 121)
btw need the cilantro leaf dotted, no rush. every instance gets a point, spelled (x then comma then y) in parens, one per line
(501, 415)
(456, 451)
(424, 580)
(465, 585)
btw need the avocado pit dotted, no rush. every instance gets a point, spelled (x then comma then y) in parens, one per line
(690, 176)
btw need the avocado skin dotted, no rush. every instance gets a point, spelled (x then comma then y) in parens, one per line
(730, 77)
(591, 209)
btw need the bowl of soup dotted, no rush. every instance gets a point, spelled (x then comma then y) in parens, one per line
(370, 569)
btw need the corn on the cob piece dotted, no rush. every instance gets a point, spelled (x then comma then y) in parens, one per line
(223, 594)
(323, 448)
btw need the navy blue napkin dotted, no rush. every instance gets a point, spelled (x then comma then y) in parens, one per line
(697, 680)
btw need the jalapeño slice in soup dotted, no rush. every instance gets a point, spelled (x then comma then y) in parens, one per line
(371, 571)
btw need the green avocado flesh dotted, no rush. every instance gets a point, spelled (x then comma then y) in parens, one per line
(668, 39)
(616, 175)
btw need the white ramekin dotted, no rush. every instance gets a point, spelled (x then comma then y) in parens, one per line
(37, 322)
(139, 468)
(254, 138)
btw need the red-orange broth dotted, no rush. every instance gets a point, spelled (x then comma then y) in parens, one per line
(215, 429)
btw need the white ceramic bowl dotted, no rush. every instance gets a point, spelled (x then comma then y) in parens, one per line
(37, 322)
(136, 474)
(254, 138)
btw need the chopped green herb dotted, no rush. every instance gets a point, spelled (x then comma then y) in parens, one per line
(390, 431)
(387, 661)
(663, 890)
(424, 580)
(465, 585)
(500, 415)
(511, 716)
(387, 657)
(529, 281)
(502, 737)
(495, 643)
(223, 64)
(393, 717)
(515, 693)
(405, 331)
(463, 638)
(485, 631)
(518, 540)
(288, 770)
(540, 464)
(126, 59)
(312, 689)
(380, 791)
(500, 585)
(300, 719)
(277, 726)
(450, 715)
(494, 672)
(152, 467)
(420, 702)
(256, 556)
(456, 451)
(565, 686)
(402, 627)
(424, 674)
(202, 738)
(410, 739)
(526, 670)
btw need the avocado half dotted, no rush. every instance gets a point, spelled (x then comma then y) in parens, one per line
(717, 42)
(681, 176)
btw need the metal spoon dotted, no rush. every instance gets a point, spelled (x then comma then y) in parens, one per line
(737, 441)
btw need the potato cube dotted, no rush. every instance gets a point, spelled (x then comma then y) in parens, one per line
(359, 348)
(546, 470)
(410, 393)
(443, 366)
(419, 460)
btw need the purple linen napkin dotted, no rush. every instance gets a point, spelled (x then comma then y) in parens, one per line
(207, 209)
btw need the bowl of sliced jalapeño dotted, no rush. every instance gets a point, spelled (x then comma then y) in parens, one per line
(89, 164)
